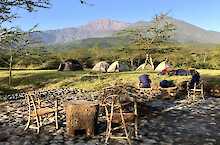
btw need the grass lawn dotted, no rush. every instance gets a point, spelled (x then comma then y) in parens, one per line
(86, 79)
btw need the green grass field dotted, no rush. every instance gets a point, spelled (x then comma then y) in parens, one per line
(87, 79)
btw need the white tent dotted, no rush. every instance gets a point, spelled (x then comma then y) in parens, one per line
(162, 66)
(117, 67)
(102, 66)
(144, 66)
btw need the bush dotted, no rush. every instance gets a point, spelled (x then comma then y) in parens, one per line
(202, 66)
(51, 64)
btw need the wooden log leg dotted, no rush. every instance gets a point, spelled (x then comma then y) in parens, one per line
(107, 119)
(90, 131)
(29, 116)
(69, 122)
(28, 123)
(56, 114)
(40, 120)
(194, 92)
(188, 94)
(202, 93)
(56, 120)
(194, 95)
(136, 119)
(108, 134)
(38, 124)
(203, 98)
(124, 126)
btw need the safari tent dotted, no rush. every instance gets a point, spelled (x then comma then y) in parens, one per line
(70, 65)
(102, 66)
(163, 66)
(144, 66)
(117, 67)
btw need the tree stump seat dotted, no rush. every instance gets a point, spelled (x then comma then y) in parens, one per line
(81, 114)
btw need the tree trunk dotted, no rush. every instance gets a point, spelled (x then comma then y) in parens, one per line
(204, 57)
(10, 71)
(147, 57)
(151, 63)
(139, 60)
(132, 63)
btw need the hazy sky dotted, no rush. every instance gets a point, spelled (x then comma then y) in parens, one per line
(70, 13)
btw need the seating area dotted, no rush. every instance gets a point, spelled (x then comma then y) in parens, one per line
(79, 112)
(117, 105)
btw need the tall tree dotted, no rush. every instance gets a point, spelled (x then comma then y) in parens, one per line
(148, 37)
(16, 42)
(13, 39)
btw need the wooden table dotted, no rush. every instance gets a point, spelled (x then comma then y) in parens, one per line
(81, 114)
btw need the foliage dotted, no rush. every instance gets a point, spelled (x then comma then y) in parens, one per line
(178, 55)
(159, 30)
(7, 8)
(17, 42)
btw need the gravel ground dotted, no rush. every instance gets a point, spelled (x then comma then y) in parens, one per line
(165, 123)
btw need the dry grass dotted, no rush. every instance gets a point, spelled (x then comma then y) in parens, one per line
(85, 79)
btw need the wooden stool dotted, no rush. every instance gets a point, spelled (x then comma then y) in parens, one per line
(114, 114)
(169, 92)
(196, 91)
(81, 114)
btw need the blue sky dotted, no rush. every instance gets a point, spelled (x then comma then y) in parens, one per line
(70, 13)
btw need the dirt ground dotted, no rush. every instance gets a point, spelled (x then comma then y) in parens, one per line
(165, 123)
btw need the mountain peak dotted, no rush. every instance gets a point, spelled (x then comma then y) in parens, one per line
(100, 28)
(105, 25)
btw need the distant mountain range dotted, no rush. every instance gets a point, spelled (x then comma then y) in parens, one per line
(185, 32)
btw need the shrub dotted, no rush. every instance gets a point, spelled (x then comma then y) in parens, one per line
(51, 64)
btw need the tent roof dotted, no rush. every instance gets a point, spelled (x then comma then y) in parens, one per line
(162, 66)
(144, 66)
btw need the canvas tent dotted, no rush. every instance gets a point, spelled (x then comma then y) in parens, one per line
(71, 65)
(144, 66)
(163, 66)
(102, 66)
(117, 67)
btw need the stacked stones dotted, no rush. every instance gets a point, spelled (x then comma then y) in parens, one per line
(62, 93)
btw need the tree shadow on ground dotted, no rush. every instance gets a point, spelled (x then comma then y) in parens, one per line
(38, 80)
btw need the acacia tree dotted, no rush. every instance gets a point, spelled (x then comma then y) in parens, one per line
(12, 38)
(16, 42)
(148, 37)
